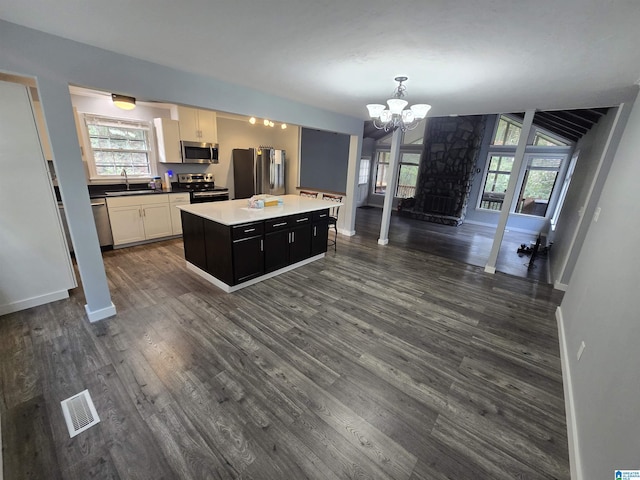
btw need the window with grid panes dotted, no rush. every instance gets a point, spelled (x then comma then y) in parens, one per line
(118, 144)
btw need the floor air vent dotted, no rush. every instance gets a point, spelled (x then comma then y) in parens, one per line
(79, 413)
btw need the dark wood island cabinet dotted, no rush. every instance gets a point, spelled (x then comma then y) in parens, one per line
(233, 246)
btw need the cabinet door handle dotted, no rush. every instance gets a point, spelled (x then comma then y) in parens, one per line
(140, 212)
(302, 219)
(293, 237)
(279, 224)
(249, 230)
(262, 245)
(314, 230)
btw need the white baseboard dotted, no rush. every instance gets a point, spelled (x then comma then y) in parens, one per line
(33, 302)
(232, 288)
(101, 314)
(348, 233)
(560, 286)
(572, 433)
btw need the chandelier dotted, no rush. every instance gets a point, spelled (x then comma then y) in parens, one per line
(396, 116)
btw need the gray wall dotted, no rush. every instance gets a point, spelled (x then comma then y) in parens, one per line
(56, 62)
(324, 157)
(591, 170)
(600, 309)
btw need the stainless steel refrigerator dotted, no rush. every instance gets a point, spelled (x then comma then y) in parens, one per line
(258, 171)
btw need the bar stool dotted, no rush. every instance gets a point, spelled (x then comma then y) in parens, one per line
(333, 217)
(306, 193)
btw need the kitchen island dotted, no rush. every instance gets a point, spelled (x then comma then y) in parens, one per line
(234, 246)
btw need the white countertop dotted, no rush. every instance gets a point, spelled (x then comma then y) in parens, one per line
(235, 212)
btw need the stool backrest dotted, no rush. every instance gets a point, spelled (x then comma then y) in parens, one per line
(306, 193)
(333, 198)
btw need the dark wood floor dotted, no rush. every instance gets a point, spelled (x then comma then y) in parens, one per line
(375, 362)
(467, 243)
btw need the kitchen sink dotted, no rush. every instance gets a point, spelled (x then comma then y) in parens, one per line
(120, 193)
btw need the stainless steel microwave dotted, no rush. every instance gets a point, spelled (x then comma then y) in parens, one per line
(196, 152)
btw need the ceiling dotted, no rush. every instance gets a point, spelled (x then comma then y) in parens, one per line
(463, 57)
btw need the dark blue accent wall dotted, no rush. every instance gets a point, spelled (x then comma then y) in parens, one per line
(324, 157)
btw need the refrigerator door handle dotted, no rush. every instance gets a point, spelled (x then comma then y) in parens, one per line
(272, 173)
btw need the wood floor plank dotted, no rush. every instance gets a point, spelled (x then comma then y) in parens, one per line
(375, 362)
(28, 447)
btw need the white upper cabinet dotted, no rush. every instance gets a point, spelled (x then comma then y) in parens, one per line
(197, 125)
(168, 135)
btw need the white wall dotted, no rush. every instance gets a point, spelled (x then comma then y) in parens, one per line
(595, 153)
(35, 266)
(600, 308)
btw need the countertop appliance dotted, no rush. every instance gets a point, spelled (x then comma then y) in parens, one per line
(258, 171)
(196, 152)
(202, 187)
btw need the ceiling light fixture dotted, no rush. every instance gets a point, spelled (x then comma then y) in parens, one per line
(123, 102)
(396, 116)
(267, 123)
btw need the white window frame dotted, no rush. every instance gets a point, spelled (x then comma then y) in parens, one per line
(89, 157)
(533, 134)
(365, 171)
(530, 150)
(408, 148)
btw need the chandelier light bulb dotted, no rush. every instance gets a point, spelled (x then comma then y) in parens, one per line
(375, 109)
(283, 126)
(420, 110)
(266, 122)
(396, 105)
(252, 120)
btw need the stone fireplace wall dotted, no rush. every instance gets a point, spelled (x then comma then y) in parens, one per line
(447, 168)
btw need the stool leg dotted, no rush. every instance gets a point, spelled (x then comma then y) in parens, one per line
(335, 238)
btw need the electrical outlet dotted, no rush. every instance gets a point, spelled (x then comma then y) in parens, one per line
(581, 349)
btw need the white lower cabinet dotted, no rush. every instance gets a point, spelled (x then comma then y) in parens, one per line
(138, 218)
(176, 199)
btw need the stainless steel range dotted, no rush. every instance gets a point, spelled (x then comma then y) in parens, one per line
(202, 187)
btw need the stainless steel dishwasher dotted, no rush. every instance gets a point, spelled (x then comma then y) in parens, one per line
(101, 219)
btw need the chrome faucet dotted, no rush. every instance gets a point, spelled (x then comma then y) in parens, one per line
(123, 173)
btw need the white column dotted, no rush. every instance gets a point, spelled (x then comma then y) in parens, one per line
(490, 267)
(347, 224)
(392, 180)
(58, 114)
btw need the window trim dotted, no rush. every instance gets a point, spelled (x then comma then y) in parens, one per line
(88, 149)
(533, 133)
(530, 150)
(408, 148)
(368, 161)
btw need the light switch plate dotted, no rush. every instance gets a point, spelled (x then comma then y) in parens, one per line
(581, 349)
(596, 214)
